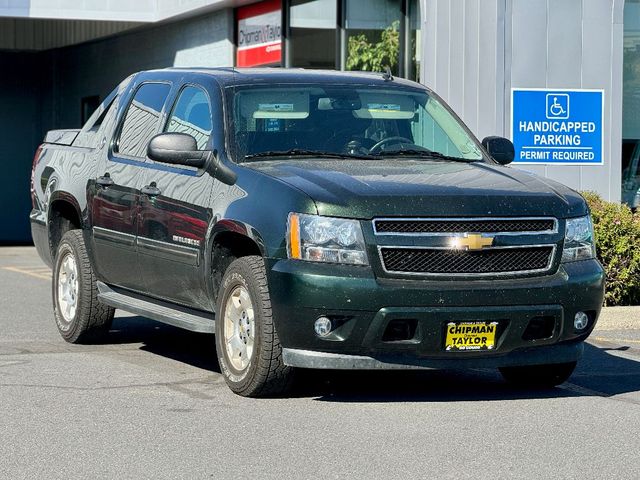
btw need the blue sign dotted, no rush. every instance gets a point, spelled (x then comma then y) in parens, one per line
(557, 126)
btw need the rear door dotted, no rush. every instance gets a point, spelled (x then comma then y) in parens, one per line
(116, 202)
(174, 212)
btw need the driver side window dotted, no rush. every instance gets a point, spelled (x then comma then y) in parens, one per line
(192, 114)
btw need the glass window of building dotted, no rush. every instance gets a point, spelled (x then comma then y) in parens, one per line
(313, 33)
(373, 34)
(414, 42)
(631, 106)
(354, 35)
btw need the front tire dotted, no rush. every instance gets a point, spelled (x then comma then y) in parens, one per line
(543, 376)
(247, 343)
(80, 317)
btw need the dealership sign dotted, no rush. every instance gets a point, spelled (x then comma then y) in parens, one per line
(557, 126)
(259, 34)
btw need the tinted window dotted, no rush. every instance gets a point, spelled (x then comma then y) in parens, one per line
(192, 114)
(96, 125)
(142, 119)
(98, 116)
(340, 119)
(88, 105)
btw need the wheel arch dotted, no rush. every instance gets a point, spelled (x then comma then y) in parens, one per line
(228, 240)
(63, 214)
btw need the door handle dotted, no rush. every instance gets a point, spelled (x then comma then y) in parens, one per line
(151, 190)
(104, 181)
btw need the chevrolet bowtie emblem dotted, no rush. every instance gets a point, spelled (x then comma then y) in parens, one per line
(471, 242)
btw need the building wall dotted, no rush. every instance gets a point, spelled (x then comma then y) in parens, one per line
(95, 68)
(463, 59)
(19, 133)
(112, 10)
(43, 91)
(475, 52)
(40, 34)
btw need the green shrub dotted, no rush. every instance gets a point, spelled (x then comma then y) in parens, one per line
(617, 232)
(374, 56)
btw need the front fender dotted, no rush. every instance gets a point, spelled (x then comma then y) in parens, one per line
(256, 207)
(238, 227)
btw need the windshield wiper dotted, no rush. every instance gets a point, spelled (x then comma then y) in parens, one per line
(425, 154)
(301, 152)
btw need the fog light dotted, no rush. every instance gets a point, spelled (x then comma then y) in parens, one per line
(581, 320)
(322, 326)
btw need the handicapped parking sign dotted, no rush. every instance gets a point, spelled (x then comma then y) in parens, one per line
(557, 126)
(557, 109)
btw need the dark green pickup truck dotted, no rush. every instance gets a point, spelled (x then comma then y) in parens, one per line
(313, 219)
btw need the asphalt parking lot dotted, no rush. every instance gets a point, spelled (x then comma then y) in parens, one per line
(150, 403)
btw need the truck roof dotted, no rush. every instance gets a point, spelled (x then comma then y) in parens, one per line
(228, 76)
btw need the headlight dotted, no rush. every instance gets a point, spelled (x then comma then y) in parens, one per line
(325, 239)
(579, 243)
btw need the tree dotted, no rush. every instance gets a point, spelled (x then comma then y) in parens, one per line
(375, 57)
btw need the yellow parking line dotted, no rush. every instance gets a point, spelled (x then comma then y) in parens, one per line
(614, 340)
(37, 272)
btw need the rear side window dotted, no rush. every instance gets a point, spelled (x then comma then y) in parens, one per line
(192, 114)
(142, 120)
(97, 118)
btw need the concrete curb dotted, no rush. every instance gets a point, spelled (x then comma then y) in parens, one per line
(619, 318)
(17, 251)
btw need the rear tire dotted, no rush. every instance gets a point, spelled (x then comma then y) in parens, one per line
(80, 317)
(545, 376)
(247, 343)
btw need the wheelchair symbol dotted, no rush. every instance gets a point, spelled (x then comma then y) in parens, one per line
(558, 106)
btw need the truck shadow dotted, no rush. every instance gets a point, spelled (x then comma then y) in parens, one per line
(195, 349)
(603, 371)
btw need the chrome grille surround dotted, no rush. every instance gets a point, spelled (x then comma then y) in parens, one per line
(432, 258)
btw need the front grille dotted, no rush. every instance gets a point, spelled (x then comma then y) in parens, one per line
(426, 226)
(444, 261)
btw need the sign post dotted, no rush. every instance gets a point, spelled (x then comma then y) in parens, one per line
(556, 126)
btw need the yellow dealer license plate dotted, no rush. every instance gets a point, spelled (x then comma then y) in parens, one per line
(471, 336)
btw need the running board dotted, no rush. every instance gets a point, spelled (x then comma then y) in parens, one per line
(196, 322)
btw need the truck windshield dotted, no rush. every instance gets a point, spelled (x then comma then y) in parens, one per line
(345, 121)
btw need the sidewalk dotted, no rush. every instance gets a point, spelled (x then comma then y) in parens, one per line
(17, 251)
(619, 318)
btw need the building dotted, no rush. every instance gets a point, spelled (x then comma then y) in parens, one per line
(485, 57)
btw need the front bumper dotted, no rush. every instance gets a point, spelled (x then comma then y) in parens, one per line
(562, 353)
(363, 307)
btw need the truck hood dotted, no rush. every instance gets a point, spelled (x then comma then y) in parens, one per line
(373, 188)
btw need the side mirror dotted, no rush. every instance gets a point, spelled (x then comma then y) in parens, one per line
(501, 149)
(177, 149)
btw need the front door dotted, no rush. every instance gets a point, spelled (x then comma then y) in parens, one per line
(174, 212)
(116, 202)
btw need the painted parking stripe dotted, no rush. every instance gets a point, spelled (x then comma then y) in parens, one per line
(614, 340)
(583, 390)
(37, 272)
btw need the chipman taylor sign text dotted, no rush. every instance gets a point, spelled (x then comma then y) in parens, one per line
(557, 126)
